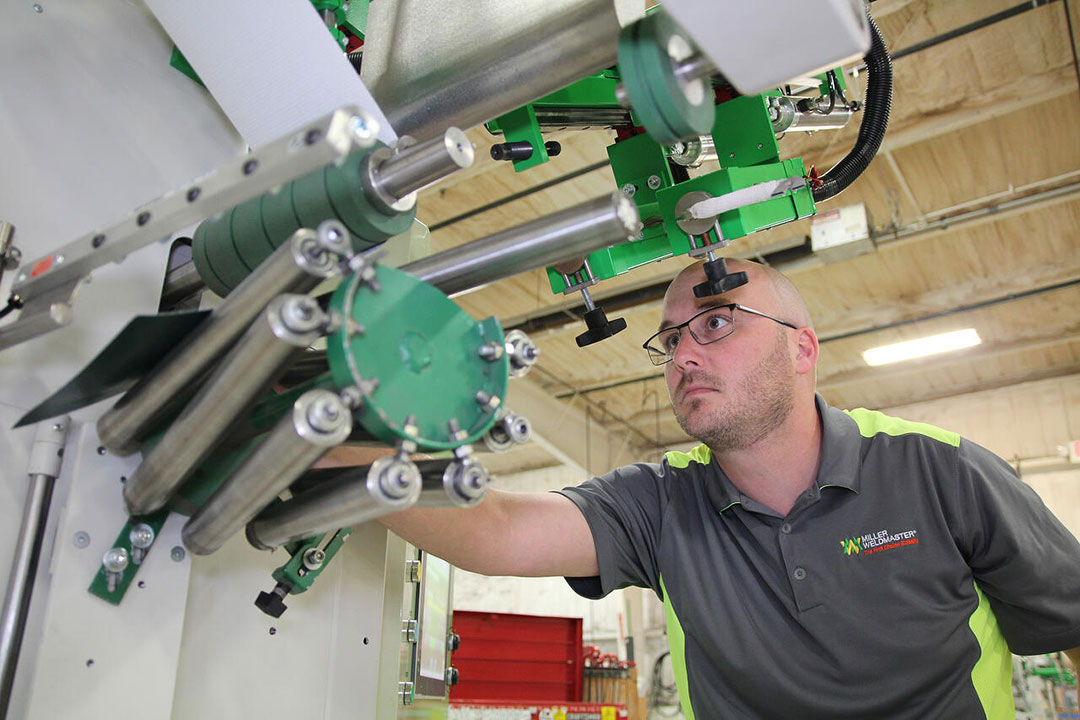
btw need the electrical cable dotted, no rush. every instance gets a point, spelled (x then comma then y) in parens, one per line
(875, 120)
(14, 303)
(661, 694)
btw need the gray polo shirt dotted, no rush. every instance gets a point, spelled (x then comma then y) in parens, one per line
(895, 587)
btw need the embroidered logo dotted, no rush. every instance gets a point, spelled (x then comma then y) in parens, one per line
(877, 542)
(852, 545)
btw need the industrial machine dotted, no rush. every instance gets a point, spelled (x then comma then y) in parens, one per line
(267, 359)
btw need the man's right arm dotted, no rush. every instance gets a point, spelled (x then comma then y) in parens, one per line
(508, 533)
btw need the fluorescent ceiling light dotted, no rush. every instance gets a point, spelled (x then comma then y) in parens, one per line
(922, 347)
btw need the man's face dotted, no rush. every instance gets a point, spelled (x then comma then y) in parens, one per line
(731, 393)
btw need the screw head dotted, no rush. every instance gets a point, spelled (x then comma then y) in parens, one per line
(141, 536)
(142, 218)
(38, 9)
(97, 241)
(193, 194)
(629, 189)
(250, 166)
(177, 553)
(59, 259)
(82, 539)
(115, 560)
(654, 182)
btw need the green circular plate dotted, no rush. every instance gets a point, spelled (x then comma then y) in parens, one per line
(669, 111)
(424, 352)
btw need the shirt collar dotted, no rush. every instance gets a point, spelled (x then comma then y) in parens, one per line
(838, 467)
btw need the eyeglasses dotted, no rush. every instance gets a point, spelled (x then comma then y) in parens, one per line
(708, 326)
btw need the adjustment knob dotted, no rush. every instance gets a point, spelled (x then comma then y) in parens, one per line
(600, 327)
(718, 280)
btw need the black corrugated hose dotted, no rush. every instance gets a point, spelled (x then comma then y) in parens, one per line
(879, 85)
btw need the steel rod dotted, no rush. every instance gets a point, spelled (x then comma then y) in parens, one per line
(297, 266)
(388, 485)
(43, 468)
(413, 167)
(574, 231)
(319, 420)
(289, 323)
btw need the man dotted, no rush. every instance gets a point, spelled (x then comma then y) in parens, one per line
(813, 563)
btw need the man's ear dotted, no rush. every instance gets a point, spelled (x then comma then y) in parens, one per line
(806, 350)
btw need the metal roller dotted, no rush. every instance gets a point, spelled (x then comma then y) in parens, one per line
(289, 323)
(371, 193)
(575, 231)
(541, 55)
(463, 483)
(390, 484)
(296, 267)
(319, 420)
(508, 431)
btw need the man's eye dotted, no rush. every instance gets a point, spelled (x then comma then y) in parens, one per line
(670, 342)
(716, 322)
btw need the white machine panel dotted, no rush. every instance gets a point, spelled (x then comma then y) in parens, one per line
(96, 659)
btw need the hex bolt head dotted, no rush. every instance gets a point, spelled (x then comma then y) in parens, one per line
(314, 558)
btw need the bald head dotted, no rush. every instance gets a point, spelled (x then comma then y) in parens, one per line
(766, 289)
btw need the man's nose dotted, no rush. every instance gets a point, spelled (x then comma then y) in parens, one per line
(687, 352)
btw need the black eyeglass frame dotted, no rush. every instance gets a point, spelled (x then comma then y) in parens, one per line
(730, 306)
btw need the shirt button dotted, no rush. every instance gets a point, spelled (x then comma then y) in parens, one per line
(785, 528)
(800, 574)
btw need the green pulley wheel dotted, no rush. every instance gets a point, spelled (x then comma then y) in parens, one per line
(670, 109)
(427, 371)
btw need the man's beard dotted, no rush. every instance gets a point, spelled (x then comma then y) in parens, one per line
(761, 403)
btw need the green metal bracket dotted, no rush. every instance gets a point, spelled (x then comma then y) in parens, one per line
(356, 16)
(521, 126)
(100, 584)
(308, 558)
(743, 133)
(742, 221)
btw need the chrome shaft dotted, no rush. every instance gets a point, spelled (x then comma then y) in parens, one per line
(43, 469)
(319, 420)
(297, 266)
(388, 485)
(289, 323)
(575, 231)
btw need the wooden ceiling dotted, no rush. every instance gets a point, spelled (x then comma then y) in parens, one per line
(974, 202)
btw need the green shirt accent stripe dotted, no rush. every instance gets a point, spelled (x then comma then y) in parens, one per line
(872, 422)
(992, 674)
(700, 454)
(677, 645)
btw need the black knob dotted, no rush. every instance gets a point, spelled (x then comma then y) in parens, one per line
(452, 676)
(718, 280)
(273, 603)
(599, 327)
(512, 151)
(453, 641)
